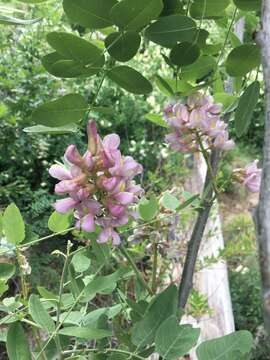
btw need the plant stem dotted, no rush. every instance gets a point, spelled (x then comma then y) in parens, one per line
(197, 233)
(135, 268)
(154, 272)
(57, 328)
(61, 287)
(131, 355)
(208, 163)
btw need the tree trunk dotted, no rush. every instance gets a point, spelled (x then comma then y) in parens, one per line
(262, 213)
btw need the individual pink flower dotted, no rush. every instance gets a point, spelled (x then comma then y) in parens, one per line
(100, 185)
(252, 178)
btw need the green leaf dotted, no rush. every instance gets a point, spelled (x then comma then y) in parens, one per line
(134, 15)
(46, 294)
(169, 30)
(6, 271)
(163, 306)
(169, 201)
(171, 7)
(13, 225)
(17, 346)
(208, 8)
(72, 47)
(94, 14)
(248, 5)
(246, 107)
(173, 340)
(91, 319)
(69, 68)
(148, 209)
(3, 287)
(228, 101)
(66, 110)
(40, 129)
(85, 333)
(130, 80)
(40, 315)
(9, 20)
(164, 86)
(184, 54)
(59, 222)
(199, 69)
(102, 285)
(123, 46)
(80, 261)
(243, 59)
(230, 347)
(156, 119)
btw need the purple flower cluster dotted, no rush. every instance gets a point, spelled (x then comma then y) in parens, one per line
(100, 185)
(198, 117)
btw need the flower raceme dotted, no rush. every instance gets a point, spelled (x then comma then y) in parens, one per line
(100, 185)
(197, 119)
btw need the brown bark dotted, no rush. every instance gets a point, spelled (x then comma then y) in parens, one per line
(262, 213)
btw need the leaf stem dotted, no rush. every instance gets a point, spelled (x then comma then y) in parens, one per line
(135, 268)
(131, 355)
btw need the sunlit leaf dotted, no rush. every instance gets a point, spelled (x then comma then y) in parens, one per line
(68, 109)
(13, 225)
(94, 14)
(235, 346)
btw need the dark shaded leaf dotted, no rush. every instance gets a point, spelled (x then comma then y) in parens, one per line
(133, 15)
(246, 107)
(169, 30)
(123, 46)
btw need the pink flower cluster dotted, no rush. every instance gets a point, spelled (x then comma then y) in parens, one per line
(250, 176)
(198, 117)
(100, 185)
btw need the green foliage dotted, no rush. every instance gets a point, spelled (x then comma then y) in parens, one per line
(184, 54)
(123, 46)
(130, 15)
(148, 208)
(59, 222)
(208, 8)
(173, 340)
(93, 15)
(40, 315)
(163, 306)
(234, 346)
(130, 80)
(246, 106)
(17, 346)
(13, 225)
(69, 109)
(243, 59)
(169, 30)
